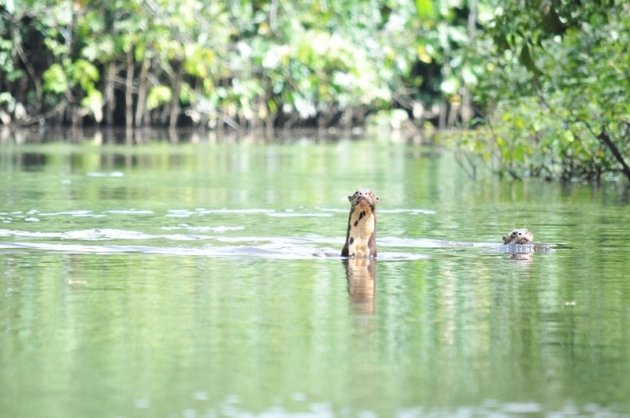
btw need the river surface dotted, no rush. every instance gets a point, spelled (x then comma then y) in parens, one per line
(203, 280)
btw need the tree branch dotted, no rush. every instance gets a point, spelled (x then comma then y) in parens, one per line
(605, 138)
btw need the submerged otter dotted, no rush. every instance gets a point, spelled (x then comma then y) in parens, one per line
(361, 236)
(518, 236)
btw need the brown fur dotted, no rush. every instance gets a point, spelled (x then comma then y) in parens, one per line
(520, 236)
(361, 234)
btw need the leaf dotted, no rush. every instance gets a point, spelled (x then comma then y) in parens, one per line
(6, 97)
(425, 9)
(502, 42)
(468, 76)
(93, 103)
(551, 22)
(450, 86)
(158, 95)
(423, 56)
(55, 80)
(526, 59)
(85, 74)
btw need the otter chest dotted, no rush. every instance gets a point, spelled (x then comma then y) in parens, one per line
(361, 229)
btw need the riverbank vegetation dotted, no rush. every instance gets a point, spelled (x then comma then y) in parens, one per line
(545, 87)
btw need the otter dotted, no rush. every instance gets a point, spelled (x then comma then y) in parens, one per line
(520, 236)
(361, 235)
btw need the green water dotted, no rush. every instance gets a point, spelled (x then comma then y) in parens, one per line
(201, 280)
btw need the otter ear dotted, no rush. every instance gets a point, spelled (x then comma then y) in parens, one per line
(350, 198)
(377, 198)
(503, 238)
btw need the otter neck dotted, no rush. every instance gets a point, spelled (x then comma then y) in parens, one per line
(361, 232)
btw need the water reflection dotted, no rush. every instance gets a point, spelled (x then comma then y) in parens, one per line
(219, 267)
(361, 276)
(144, 136)
(523, 255)
(521, 260)
(29, 161)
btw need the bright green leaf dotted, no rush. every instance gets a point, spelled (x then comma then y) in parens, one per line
(55, 79)
(159, 95)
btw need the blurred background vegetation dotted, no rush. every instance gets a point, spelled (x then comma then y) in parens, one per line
(544, 84)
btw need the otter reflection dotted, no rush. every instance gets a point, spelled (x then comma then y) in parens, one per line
(521, 259)
(361, 276)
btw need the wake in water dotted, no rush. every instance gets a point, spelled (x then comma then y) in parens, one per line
(214, 241)
(116, 241)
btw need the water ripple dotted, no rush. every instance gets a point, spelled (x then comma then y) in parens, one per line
(130, 212)
(77, 213)
(306, 246)
(218, 229)
(299, 214)
(105, 174)
(269, 251)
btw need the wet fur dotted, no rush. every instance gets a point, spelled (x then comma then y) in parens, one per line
(518, 236)
(361, 233)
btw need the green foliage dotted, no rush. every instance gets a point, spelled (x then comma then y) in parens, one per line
(300, 61)
(56, 80)
(8, 65)
(548, 81)
(84, 74)
(425, 9)
(556, 88)
(328, 71)
(92, 104)
(159, 95)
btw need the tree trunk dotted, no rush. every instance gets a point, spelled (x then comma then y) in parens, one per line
(605, 139)
(442, 115)
(110, 100)
(75, 116)
(466, 111)
(142, 93)
(177, 87)
(452, 114)
(129, 91)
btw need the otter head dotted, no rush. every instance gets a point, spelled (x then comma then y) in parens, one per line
(361, 236)
(363, 198)
(520, 236)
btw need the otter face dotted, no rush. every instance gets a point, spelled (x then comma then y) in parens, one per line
(363, 197)
(519, 236)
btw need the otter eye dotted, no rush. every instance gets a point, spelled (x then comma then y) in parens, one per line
(514, 233)
(520, 233)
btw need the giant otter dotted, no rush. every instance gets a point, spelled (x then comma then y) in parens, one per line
(520, 236)
(361, 235)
